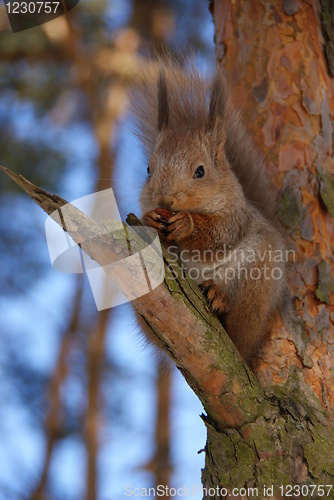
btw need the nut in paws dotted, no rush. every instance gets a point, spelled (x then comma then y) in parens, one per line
(152, 219)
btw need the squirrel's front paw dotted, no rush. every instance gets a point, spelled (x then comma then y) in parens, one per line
(152, 219)
(218, 300)
(179, 227)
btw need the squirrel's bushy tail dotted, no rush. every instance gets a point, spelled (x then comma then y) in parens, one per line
(190, 96)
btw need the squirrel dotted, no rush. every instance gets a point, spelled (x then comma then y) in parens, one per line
(208, 197)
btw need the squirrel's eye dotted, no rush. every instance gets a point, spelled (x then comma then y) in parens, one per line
(199, 172)
(148, 171)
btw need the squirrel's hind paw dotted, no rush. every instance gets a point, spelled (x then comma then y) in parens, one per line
(218, 300)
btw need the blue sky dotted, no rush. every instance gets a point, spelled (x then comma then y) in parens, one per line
(33, 319)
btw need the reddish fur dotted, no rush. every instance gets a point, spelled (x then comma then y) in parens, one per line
(231, 205)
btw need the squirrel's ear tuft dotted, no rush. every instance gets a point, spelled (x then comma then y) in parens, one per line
(163, 108)
(217, 98)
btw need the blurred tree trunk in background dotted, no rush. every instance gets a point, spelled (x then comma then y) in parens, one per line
(71, 74)
(155, 21)
(103, 85)
(55, 418)
(160, 464)
(273, 55)
(105, 107)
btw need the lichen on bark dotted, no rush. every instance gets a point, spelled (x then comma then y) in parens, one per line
(326, 189)
(325, 282)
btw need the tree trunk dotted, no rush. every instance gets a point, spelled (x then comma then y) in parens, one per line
(274, 61)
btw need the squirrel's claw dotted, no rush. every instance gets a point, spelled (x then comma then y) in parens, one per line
(152, 219)
(179, 227)
(219, 301)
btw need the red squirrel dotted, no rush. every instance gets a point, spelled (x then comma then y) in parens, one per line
(209, 199)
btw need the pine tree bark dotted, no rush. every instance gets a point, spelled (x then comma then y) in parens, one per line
(274, 60)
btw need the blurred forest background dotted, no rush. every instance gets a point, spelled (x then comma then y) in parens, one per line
(86, 408)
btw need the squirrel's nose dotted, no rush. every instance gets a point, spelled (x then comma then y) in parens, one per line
(166, 201)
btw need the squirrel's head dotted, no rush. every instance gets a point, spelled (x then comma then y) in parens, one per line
(188, 170)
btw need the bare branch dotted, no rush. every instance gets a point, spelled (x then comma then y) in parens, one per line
(178, 314)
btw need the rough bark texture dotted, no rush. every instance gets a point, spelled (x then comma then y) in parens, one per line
(281, 78)
(274, 59)
(326, 17)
